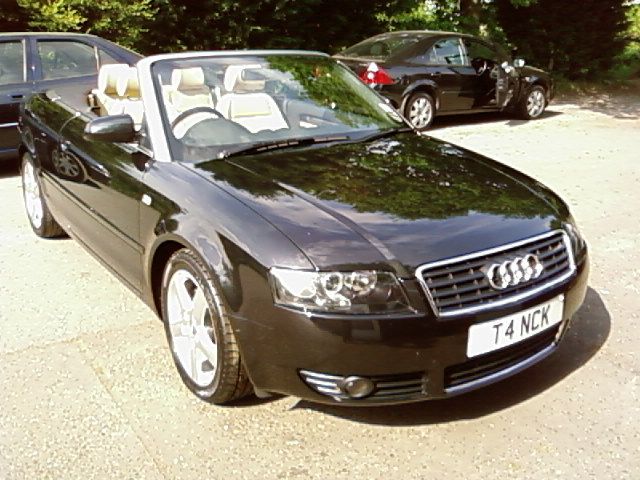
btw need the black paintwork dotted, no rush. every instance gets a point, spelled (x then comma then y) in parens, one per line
(455, 88)
(12, 95)
(390, 204)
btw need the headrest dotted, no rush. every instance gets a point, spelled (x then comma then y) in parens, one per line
(250, 106)
(187, 78)
(128, 85)
(108, 77)
(233, 81)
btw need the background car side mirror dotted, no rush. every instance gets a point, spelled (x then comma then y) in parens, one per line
(113, 128)
(518, 63)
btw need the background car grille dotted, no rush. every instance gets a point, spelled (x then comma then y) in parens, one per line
(388, 388)
(494, 362)
(459, 285)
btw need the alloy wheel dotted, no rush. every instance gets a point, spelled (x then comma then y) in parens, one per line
(32, 198)
(535, 103)
(420, 112)
(190, 327)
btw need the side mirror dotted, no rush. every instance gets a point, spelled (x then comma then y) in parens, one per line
(506, 67)
(518, 63)
(114, 128)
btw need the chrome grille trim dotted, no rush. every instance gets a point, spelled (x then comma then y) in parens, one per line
(388, 388)
(420, 275)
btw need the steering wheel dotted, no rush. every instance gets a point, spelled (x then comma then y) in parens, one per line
(184, 126)
(480, 65)
(194, 111)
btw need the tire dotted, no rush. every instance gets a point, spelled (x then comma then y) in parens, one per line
(39, 215)
(533, 104)
(420, 110)
(199, 333)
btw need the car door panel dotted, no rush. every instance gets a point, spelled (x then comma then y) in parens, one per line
(445, 64)
(14, 88)
(103, 180)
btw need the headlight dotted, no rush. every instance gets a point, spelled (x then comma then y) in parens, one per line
(365, 291)
(577, 241)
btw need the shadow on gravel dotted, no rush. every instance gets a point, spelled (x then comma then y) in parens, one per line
(480, 118)
(619, 106)
(9, 168)
(589, 332)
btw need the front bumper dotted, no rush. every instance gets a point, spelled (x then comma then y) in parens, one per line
(409, 358)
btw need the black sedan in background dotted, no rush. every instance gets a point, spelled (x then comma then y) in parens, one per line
(425, 74)
(35, 62)
(296, 236)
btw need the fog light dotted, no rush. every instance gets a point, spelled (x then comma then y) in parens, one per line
(356, 387)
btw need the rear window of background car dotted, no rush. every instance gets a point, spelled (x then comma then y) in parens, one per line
(64, 59)
(382, 47)
(11, 62)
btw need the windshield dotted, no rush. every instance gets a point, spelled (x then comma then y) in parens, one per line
(382, 47)
(213, 105)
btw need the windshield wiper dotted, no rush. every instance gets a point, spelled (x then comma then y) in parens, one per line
(386, 133)
(266, 146)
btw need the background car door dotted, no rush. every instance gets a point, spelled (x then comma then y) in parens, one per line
(57, 61)
(485, 61)
(14, 87)
(448, 66)
(104, 180)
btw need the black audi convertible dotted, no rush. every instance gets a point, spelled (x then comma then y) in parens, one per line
(296, 235)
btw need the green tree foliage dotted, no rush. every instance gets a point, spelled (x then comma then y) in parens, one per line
(574, 38)
(124, 21)
(326, 25)
(12, 17)
(577, 39)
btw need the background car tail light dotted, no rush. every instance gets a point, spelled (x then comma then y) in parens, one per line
(375, 75)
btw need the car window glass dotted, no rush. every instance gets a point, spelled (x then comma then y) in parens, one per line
(214, 105)
(11, 63)
(382, 46)
(105, 58)
(480, 51)
(63, 59)
(447, 51)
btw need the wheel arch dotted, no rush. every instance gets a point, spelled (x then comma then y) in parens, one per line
(425, 86)
(158, 261)
(210, 253)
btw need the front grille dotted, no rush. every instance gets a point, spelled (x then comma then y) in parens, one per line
(459, 285)
(491, 363)
(388, 388)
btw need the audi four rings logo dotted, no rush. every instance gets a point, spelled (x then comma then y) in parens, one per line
(515, 271)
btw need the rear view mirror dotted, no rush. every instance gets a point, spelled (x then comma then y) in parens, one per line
(518, 63)
(114, 128)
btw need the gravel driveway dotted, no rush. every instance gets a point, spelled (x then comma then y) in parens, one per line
(88, 390)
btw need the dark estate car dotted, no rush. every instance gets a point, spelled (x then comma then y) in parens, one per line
(35, 62)
(426, 73)
(295, 235)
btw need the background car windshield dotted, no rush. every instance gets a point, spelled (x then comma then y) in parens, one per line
(218, 104)
(382, 46)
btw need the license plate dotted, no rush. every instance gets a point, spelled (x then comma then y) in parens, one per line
(502, 332)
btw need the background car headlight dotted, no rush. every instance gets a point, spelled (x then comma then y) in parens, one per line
(364, 291)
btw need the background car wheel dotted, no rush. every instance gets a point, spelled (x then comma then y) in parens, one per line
(533, 104)
(40, 218)
(202, 342)
(420, 110)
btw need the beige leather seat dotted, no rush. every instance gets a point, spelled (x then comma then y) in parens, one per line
(128, 89)
(106, 96)
(247, 104)
(187, 91)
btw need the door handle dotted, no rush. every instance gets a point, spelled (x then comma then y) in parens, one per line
(17, 96)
